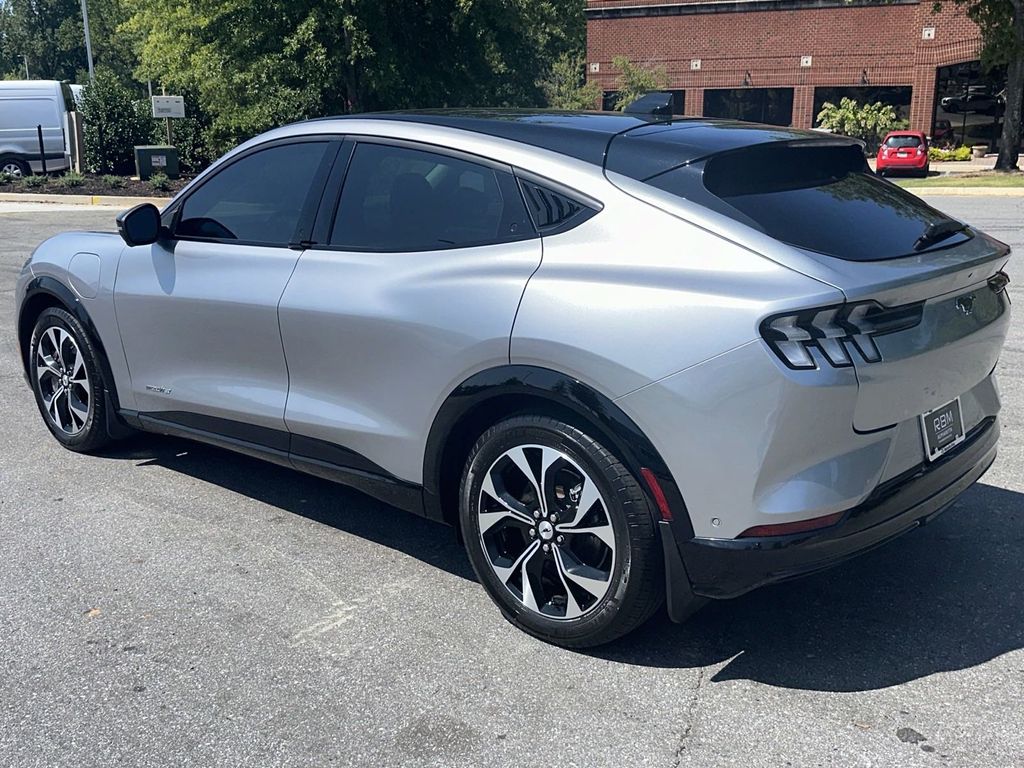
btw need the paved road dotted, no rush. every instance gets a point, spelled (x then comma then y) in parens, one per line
(172, 604)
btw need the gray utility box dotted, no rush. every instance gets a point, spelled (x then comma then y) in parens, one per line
(156, 159)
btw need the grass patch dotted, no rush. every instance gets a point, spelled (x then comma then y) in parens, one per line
(988, 179)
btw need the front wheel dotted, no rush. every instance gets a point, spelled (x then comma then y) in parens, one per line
(67, 381)
(559, 532)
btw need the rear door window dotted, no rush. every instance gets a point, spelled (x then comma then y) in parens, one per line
(398, 198)
(822, 198)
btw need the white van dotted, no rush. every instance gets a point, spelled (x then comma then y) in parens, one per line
(25, 105)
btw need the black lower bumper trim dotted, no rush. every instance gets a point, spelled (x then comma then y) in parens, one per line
(723, 568)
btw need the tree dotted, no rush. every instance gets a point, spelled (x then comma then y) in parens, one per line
(1002, 33)
(114, 123)
(566, 86)
(255, 64)
(46, 32)
(635, 80)
(49, 34)
(868, 122)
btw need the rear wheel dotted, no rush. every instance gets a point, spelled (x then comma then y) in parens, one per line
(14, 167)
(67, 381)
(559, 533)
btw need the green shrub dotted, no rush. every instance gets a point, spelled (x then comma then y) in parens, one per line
(868, 122)
(6, 178)
(112, 181)
(945, 155)
(115, 123)
(32, 181)
(69, 180)
(159, 182)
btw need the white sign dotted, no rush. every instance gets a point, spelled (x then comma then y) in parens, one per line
(694, 64)
(159, 161)
(805, 61)
(595, 67)
(168, 106)
(928, 33)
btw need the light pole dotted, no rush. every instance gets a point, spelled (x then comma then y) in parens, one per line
(88, 42)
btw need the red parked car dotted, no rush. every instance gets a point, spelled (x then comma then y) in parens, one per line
(905, 151)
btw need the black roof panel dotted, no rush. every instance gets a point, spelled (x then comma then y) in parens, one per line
(583, 135)
(639, 146)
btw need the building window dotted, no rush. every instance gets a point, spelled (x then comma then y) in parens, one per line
(610, 98)
(897, 97)
(969, 105)
(773, 106)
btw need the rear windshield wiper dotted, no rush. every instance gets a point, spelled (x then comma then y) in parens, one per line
(937, 232)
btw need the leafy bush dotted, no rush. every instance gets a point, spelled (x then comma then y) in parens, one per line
(6, 178)
(32, 182)
(69, 180)
(114, 123)
(159, 182)
(112, 181)
(960, 153)
(635, 80)
(566, 86)
(868, 122)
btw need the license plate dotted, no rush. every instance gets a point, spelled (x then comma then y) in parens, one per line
(943, 428)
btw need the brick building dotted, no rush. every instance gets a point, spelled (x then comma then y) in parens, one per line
(778, 60)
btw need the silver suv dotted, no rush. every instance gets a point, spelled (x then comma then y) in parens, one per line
(629, 358)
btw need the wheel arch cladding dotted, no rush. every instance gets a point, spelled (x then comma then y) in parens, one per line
(43, 293)
(497, 393)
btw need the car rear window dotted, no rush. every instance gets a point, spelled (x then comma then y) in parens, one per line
(903, 141)
(822, 198)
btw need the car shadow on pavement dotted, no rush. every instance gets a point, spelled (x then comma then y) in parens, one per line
(948, 596)
(311, 497)
(945, 597)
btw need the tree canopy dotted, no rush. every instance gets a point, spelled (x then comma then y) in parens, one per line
(1002, 32)
(259, 63)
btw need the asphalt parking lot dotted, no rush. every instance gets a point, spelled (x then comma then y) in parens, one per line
(172, 604)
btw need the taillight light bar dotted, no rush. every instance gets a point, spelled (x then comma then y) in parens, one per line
(838, 332)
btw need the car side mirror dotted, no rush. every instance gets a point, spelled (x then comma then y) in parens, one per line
(139, 225)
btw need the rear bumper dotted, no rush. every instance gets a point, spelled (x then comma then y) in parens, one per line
(723, 568)
(902, 164)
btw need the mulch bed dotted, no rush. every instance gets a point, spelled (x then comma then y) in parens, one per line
(94, 185)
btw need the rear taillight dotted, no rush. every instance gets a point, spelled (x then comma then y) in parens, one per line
(836, 333)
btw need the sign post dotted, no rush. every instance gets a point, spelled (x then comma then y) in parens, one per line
(168, 107)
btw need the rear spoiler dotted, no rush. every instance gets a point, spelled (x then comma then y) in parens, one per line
(655, 104)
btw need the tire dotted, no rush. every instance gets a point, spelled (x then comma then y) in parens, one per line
(586, 587)
(69, 385)
(13, 166)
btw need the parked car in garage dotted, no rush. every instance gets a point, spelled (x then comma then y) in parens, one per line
(976, 98)
(26, 106)
(903, 152)
(634, 361)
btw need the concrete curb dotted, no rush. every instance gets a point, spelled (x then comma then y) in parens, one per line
(967, 191)
(108, 200)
